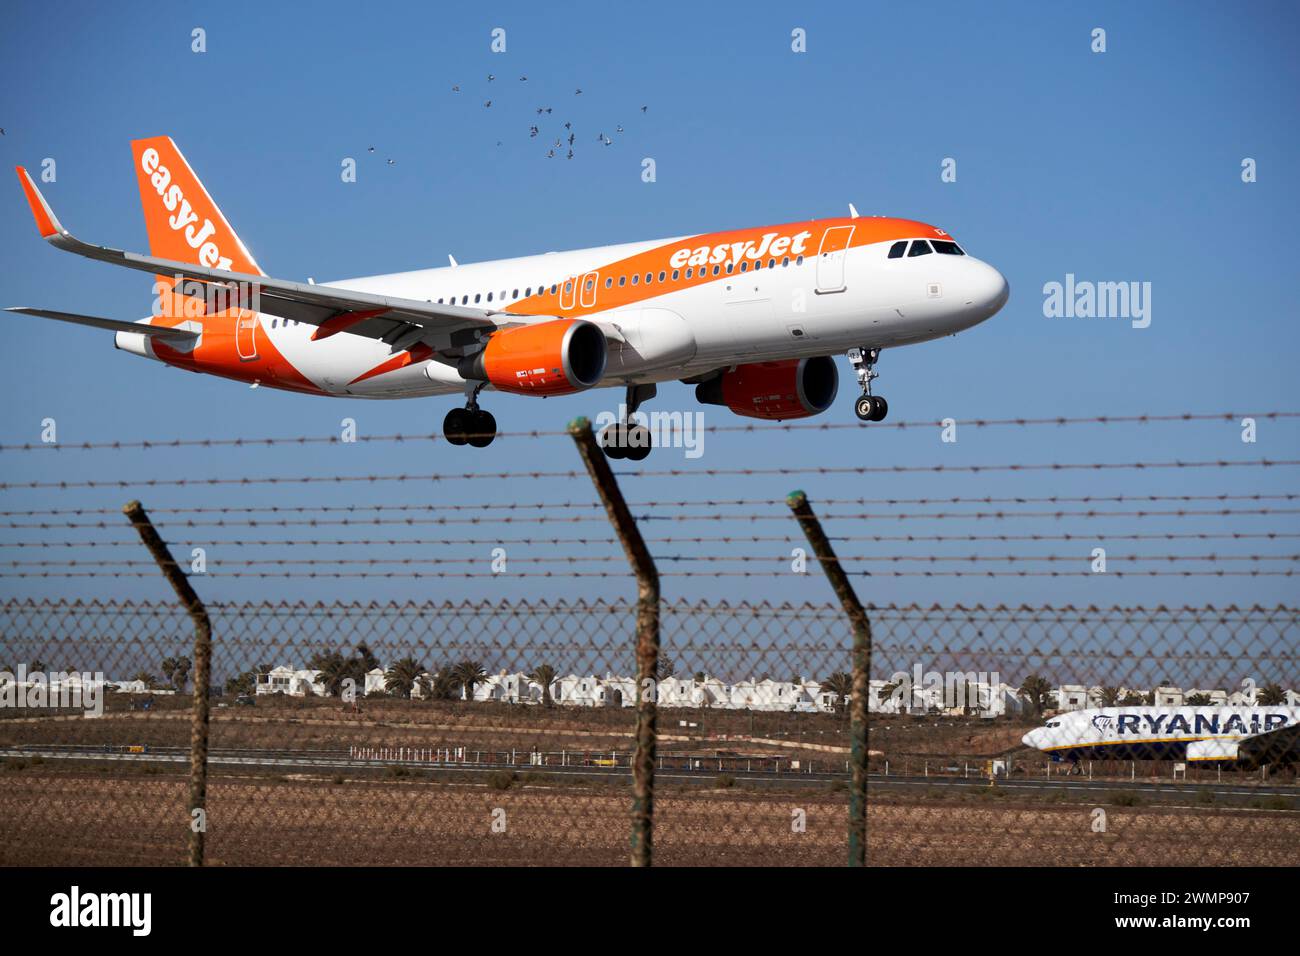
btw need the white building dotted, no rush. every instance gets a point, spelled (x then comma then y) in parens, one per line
(376, 682)
(294, 683)
(1072, 697)
(1165, 696)
(575, 691)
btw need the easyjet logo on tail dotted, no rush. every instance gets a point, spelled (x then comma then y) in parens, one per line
(770, 244)
(183, 218)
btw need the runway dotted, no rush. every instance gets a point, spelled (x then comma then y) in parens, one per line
(1165, 792)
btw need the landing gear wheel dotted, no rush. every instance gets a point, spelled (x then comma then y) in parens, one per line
(865, 407)
(482, 428)
(881, 409)
(612, 442)
(456, 425)
(636, 442)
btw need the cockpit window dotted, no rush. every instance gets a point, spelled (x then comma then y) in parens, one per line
(919, 248)
(897, 249)
(946, 248)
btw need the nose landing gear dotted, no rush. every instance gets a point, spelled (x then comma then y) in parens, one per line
(869, 408)
(470, 425)
(623, 440)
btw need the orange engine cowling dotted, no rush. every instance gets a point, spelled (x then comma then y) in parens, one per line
(793, 388)
(550, 358)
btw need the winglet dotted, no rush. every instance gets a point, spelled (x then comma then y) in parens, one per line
(46, 221)
(853, 211)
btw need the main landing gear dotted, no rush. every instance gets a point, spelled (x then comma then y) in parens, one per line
(622, 440)
(470, 425)
(869, 408)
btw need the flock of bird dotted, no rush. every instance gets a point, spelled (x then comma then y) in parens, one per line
(568, 138)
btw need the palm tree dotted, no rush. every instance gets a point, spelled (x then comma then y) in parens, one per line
(1131, 699)
(443, 685)
(890, 689)
(544, 674)
(1108, 696)
(176, 670)
(148, 679)
(1270, 695)
(402, 675)
(1198, 700)
(245, 683)
(839, 684)
(367, 657)
(1038, 694)
(333, 669)
(467, 674)
(665, 667)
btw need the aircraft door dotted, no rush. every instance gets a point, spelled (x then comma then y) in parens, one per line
(246, 335)
(569, 293)
(830, 259)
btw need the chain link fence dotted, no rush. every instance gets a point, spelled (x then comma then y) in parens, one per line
(502, 733)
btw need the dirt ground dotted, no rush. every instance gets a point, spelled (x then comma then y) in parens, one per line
(110, 817)
(97, 819)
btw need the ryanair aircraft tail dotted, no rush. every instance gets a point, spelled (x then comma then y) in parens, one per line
(183, 222)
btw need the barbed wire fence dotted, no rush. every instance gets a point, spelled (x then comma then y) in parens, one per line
(483, 732)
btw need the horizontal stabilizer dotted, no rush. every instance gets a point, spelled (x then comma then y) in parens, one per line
(112, 325)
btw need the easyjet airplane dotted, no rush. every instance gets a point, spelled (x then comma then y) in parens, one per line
(751, 317)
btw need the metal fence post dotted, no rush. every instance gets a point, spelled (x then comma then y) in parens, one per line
(202, 672)
(822, 550)
(647, 636)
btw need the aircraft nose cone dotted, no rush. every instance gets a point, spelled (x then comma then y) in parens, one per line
(1030, 739)
(988, 289)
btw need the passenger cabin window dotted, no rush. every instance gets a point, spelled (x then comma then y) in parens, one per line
(946, 248)
(897, 249)
(919, 248)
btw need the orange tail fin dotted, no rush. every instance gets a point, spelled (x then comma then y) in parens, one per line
(183, 222)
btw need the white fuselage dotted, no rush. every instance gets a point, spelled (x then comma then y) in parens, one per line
(806, 307)
(1148, 732)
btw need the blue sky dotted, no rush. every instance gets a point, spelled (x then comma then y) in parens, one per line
(1116, 166)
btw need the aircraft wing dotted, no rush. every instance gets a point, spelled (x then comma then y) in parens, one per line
(1270, 747)
(331, 309)
(112, 325)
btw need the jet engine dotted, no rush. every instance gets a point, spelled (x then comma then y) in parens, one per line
(551, 358)
(792, 388)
